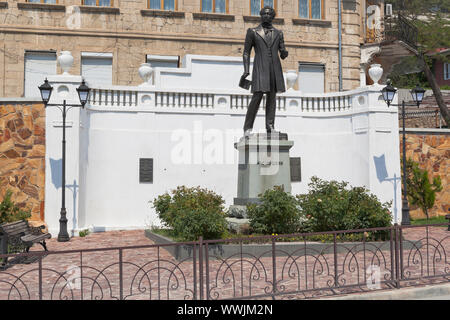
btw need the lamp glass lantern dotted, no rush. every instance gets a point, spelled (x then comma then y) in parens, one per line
(83, 93)
(388, 93)
(418, 94)
(46, 91)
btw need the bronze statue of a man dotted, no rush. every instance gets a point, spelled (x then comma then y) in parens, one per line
(267, 76)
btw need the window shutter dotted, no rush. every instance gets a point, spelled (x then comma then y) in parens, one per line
(157, 61)
(96, 69)
(311, 78)
(38, 65)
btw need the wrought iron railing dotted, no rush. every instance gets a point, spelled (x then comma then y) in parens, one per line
(394, 28)
(245, 268)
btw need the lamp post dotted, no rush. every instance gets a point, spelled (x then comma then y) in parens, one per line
(388, 96)
(83, 94)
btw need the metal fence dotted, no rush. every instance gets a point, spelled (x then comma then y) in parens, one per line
(294, 266)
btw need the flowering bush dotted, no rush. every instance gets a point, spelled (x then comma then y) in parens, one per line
(192, 212)
(277, 213)
(332, 205)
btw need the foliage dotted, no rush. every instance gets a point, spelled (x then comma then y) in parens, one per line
(408, 74)
(421, 192)
(84, 233)
(350, 237)
(277, 212)
(431, 18)
(332, 206)
(192, 212)
(10, 212)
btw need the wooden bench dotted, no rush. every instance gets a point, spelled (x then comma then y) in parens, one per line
(21, 234)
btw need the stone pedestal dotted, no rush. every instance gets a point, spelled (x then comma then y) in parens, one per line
(263, 163)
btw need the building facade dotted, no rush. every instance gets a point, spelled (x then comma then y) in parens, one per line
(110, 39)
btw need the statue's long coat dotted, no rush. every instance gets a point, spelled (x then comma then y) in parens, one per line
(266, 53)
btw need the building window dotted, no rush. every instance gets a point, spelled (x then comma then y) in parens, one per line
(257, 5)
(98, 3)
(216, 6)
(163, 61)
(43, 1)
(446, 71)
(96, 68)
(38, 65)
(163, 4)
(310, 9)
(311, 78)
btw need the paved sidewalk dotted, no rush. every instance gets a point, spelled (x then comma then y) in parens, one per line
(432, 292)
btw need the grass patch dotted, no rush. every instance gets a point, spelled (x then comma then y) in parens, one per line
(434, 220)
(325, 238)
(168, 233)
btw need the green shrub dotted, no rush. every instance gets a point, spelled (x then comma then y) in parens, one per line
(10, 212)
(192, 212)
(84, 233)
(332, 206)
(277, 212)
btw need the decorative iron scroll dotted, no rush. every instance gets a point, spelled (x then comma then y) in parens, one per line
(281, 266)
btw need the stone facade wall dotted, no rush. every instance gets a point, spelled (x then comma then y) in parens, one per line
(131, 32)
(432, 152)
(22, 155)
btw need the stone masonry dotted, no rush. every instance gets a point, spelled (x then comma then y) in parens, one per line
(22, 155)
(432, 152)
(129, 31)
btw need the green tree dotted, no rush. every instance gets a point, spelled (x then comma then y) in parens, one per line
(421, 192)
(431, 17)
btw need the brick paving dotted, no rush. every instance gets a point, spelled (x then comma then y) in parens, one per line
(152, 273)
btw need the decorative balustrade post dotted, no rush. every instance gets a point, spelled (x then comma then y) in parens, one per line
(200, 266)
(274, 265)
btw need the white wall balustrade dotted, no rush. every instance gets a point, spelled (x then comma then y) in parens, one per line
(188, 120)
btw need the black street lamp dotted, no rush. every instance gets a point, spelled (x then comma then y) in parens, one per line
(388, 96)
(83, 94)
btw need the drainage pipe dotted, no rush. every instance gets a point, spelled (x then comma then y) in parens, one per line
(340, 45)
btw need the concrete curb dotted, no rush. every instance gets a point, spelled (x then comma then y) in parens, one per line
(427, 292)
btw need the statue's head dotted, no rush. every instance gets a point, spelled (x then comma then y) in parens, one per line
(267, 14)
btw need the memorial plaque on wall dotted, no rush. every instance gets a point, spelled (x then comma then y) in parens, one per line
(296, 170)
(146, 170)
